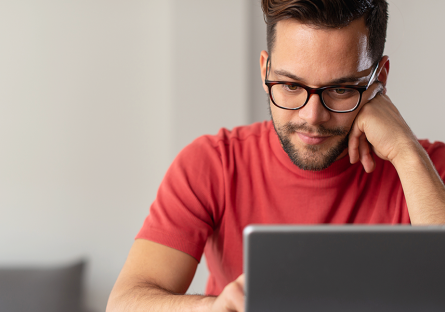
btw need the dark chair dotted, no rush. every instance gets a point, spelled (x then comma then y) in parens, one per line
(33, 289)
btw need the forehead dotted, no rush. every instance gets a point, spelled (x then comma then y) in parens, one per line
(320, 54)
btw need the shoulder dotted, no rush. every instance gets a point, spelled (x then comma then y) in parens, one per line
(199, 173)
(219, 155)
(208, 151)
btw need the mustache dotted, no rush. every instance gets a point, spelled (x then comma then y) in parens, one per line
(321, 130)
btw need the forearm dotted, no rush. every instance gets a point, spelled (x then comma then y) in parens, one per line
(150, 298)
(423, 188)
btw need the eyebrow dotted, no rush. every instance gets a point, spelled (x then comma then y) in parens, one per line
(342, 80)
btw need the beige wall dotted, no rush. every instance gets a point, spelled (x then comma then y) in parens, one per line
(416, 49)
(95, 101)
(79, 161)
(97, 97)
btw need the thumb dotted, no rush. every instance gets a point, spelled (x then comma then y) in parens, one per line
(241, 280)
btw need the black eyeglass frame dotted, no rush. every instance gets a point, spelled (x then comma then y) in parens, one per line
(318, 91)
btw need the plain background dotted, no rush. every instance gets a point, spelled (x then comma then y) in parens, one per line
(97, 97)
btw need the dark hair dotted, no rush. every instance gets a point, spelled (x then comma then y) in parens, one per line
(331, 14)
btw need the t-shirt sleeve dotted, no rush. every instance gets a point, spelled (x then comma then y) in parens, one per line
(436, 151)
(189, 200)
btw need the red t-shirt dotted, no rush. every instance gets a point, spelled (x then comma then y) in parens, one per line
(219, 184)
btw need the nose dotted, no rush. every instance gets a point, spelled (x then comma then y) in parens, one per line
(314, 113)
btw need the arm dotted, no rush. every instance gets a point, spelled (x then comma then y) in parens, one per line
(380, 123)
(423, 188)
(155, 278)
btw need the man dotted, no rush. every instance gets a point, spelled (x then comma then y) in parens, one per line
(336, 151)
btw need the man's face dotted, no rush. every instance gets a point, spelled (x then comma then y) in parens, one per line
(312, 136)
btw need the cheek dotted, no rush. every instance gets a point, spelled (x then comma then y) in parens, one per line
(282, 116)
(348, 119)
(343, 121)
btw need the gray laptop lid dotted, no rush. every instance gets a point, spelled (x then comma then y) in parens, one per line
(344, 268)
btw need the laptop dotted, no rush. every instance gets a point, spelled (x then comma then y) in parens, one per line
(344, 268)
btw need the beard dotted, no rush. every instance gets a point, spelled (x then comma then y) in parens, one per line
(311, 157)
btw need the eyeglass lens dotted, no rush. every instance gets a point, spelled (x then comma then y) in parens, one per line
(292, 96)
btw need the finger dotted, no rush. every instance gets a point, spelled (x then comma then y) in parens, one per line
(353, 143)
(234, 294)
(239, 295)
(237, 298)
(365, 154)
(241, 279)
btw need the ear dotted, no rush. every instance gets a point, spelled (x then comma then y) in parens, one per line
(382, 75)
(263, 65)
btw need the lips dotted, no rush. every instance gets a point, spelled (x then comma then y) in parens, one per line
(311, 139)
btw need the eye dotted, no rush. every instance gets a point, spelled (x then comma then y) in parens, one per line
(291, 87)
(340, 91)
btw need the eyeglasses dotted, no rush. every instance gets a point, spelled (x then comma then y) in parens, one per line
(337, 98)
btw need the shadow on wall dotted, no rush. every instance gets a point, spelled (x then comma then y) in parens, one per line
(42, 289)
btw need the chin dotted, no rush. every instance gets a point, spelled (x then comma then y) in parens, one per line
(314, 157)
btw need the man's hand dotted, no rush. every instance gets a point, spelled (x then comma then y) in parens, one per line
(232, 297)
(155, 277)
(380, 127)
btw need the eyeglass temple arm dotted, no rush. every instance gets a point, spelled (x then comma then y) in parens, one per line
(267, 67)
(372, 76)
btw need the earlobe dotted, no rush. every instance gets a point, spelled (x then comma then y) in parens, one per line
(263, 67)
